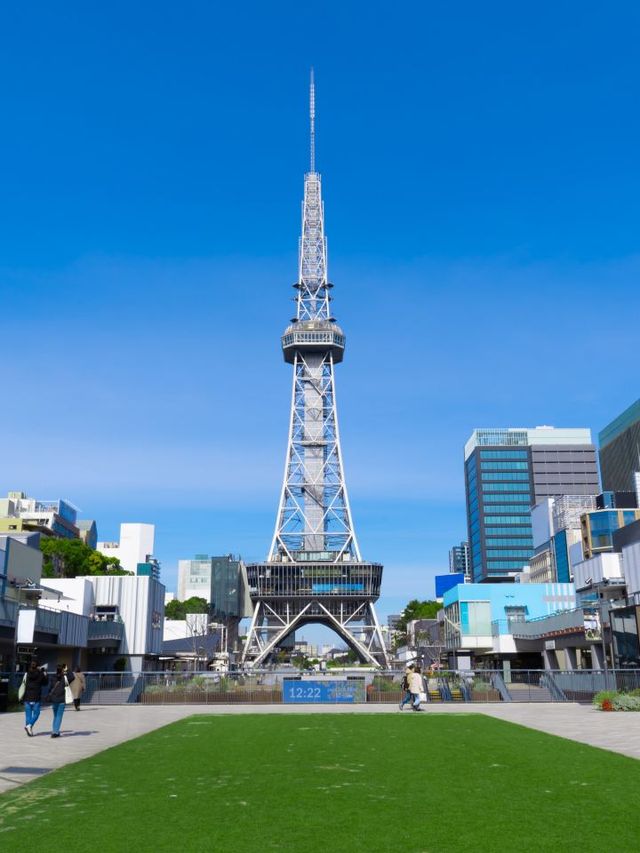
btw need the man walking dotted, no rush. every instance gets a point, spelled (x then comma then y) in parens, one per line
(406, 694)
(34, 680)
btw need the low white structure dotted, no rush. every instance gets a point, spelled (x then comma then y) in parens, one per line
(135, 545)
(195, 625)
(599, 568)
(137, 602)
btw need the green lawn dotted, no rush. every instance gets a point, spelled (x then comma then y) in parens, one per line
(333, 782)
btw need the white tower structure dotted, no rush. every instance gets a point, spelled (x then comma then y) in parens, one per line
(314, 572)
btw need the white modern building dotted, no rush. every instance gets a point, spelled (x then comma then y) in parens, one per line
(135, 546)
(129, 609)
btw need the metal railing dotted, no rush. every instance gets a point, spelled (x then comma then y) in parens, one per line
(353, 687)
(101, 629)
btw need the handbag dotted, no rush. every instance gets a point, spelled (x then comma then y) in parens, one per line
(68, 695)
(422, 697)
(22, 688)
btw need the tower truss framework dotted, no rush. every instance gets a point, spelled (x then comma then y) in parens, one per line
(314, 572)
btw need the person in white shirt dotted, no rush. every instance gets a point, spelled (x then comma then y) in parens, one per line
(416, 687)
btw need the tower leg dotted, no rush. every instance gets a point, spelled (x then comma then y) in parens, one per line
(355, 622)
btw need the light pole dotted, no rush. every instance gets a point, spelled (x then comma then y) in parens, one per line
(602, 639)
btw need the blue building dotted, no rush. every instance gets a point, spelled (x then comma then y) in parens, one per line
(479, 619)
(447, 582)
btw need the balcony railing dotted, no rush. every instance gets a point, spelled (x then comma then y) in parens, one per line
(101, 629)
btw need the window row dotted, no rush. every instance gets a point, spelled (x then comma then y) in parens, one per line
(522, 542)
(507, 564)
(508, 531)
(514, 552)
(504, 487)
(505, 475)
(503, 454)
(490, 499)
(507, 519)
(505, 466)
(505, 508)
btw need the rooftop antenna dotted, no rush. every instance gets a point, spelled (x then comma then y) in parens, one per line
(312, 121)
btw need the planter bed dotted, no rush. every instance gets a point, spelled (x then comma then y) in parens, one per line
(184, 697)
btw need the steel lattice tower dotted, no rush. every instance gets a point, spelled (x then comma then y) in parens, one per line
(314, 572)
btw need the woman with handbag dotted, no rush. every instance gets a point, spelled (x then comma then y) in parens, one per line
(29, 692)
(59, 695)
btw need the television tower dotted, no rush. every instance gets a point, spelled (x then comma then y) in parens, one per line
(314, 573)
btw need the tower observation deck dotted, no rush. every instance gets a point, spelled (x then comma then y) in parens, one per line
(314, 572)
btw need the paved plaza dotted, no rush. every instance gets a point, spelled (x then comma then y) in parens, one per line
(96, 727)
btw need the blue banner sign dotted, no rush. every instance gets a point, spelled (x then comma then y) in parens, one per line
(323, 691)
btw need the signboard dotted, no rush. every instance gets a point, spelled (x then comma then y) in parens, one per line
(592, 626)
(26, 626)
(332, 692)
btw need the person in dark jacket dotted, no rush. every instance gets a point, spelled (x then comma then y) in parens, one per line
(59, 682)
(34, 680)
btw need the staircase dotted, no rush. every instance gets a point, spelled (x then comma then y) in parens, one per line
(529, 693)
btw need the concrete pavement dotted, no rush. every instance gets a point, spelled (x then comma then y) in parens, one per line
(96, 727)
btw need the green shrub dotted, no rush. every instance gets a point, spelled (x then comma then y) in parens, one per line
(625, 702)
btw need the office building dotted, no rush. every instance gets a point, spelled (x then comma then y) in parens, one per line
(135, 545)
(459, 562)
(598, 527)
(507, 471)
(19, 513)
(194, 578)
(222, 582)
(88, 532)
(567, 531)
(620, 451)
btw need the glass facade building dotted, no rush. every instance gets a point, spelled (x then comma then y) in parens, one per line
(598, 528)
(620, 450)
(507, 471)
(459, 560)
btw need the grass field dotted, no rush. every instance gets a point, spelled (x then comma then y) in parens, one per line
(331, 783)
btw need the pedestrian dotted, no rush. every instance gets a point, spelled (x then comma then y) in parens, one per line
(404, 684)
(416, 687)
(59, 694)
(33, 682)
(78, 687)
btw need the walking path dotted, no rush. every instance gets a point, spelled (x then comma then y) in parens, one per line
(98, 727)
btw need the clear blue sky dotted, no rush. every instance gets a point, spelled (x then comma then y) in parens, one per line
(482, 193)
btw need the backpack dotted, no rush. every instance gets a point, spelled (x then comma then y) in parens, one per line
(404, 684)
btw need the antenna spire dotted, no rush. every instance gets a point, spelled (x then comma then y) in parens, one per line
(312, 121)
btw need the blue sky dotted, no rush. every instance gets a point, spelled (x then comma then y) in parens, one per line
(482, 206)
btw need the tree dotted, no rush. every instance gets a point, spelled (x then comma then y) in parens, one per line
(70, 558)
(414, 610)
(178, 609)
